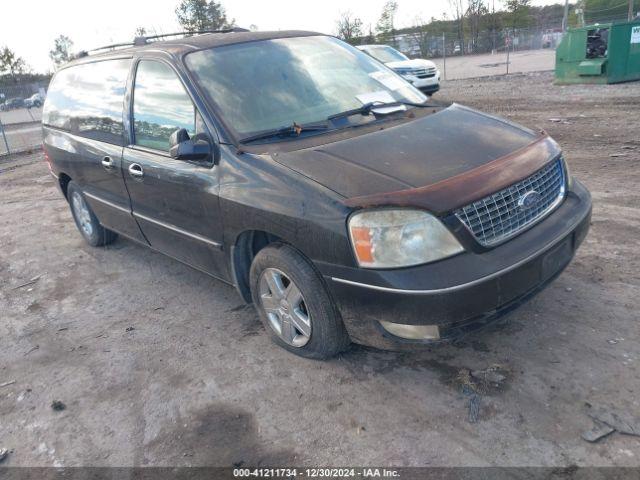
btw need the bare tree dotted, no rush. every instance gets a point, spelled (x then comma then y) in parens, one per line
(476, 10)
(421, 36)
(199, 15)
(370, 38)
(458, 11)
(494, 26)
(61, 52)
(349, 27)
(140, 32)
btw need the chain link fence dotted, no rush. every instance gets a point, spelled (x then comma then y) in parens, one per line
(426, 44)
(481, 53)
(20, 116)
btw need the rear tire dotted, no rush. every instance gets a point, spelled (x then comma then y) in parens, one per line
(294, 305)
(86, 221)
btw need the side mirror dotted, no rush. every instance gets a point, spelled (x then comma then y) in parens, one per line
(182, 147)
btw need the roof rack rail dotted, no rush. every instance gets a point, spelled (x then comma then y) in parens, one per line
(144, 40)
(187, 34)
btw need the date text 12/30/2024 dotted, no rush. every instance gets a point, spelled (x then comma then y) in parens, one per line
(315, 473)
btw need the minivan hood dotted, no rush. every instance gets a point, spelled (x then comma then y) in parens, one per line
(414, 154)
(415, 63)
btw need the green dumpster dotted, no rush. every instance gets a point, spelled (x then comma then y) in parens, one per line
(601, 53)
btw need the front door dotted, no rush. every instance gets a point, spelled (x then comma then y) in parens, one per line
(175, 202)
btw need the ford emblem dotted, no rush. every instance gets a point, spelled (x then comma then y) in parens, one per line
(529, 200)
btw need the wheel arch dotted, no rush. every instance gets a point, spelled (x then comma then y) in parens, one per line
(247, 245)
(63, 180)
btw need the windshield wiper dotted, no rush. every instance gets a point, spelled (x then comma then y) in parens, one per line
(295, 129)
(367, 108)
(290, 131)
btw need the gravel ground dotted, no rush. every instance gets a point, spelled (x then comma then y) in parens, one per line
(22, 130)
(21, 115)
(471, 66)
(157, 364)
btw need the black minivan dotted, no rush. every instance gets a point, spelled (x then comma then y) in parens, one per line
(341, 201)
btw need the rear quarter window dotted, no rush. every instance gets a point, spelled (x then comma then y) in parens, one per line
(88, 100)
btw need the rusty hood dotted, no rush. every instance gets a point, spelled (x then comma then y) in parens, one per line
(458, 153)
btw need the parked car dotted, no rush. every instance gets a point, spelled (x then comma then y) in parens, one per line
(12, 104)
(422, 74)
(335, 196)
(34, 100)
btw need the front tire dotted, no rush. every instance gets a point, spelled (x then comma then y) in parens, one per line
(86, 221)
(294, 305)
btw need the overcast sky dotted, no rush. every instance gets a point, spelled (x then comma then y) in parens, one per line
(29, 27)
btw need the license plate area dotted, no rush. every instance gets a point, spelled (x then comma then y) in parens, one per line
(556, 259)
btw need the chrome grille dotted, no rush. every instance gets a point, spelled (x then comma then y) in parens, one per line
(424, 72)
(501, 215)
(421, 72)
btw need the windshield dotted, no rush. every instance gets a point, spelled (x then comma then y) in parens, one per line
(386, 54)
(268, 84)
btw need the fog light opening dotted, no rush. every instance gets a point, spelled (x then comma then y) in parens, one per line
(412, 332)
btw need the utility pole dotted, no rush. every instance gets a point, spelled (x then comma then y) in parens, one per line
(565, 18)
(508, 50)
(493, 29)
(444, 57)
(4, 137)
(630, 9)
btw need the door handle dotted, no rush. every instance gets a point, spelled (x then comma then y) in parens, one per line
(107, 162)
(135, 170)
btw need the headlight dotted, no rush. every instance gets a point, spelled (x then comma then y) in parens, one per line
(394, 238)
(404, 73)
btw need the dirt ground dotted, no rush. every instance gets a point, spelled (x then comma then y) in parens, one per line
(158, 364)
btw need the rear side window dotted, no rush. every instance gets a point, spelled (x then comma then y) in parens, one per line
(88, 100)
(160, 106)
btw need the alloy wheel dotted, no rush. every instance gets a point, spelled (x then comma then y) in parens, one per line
(285, 308)
(82, 213)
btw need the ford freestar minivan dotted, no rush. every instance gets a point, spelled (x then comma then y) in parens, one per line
(339, 199)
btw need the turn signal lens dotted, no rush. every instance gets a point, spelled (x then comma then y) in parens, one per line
(362, 243)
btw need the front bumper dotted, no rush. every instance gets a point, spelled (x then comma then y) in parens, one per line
(430, 89)
(465, 292)
(426, 85)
